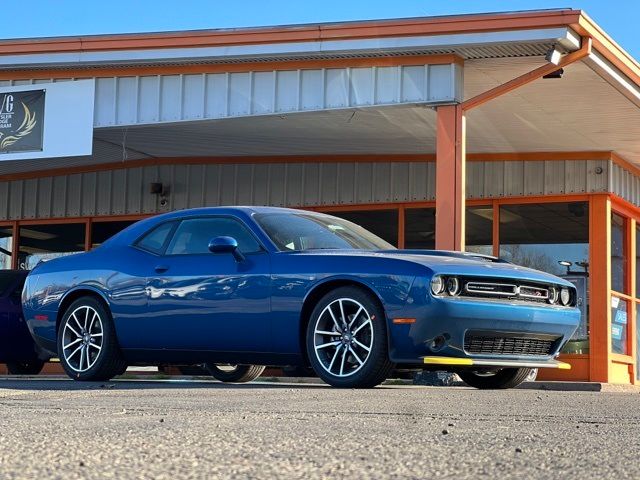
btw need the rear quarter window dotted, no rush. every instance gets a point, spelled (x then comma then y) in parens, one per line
(155, 240)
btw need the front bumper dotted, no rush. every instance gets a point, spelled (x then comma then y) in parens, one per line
(432, 319)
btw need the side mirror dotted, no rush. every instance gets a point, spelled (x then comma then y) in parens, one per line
(226, 245)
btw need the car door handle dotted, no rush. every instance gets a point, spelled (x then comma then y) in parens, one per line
(161, 268)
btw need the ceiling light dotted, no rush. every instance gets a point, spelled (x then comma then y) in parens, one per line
(555, 74)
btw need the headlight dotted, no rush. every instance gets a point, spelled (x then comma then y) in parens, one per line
(565, 296)
(437, 285)
(553, 295)
(453, 286)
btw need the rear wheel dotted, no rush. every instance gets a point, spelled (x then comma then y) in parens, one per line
(235, 373)
(87, 344)
(347, 339)
(33, 367)
(497, 379)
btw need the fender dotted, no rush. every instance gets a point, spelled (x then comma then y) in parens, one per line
(360, 280)
(83, 286)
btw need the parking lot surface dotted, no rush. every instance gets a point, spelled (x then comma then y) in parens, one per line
(184, 429)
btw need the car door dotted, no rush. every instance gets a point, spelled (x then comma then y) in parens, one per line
(14, 335)
(211, 301)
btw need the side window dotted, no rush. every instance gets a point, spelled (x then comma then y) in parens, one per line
(193, 235)
(155, 240)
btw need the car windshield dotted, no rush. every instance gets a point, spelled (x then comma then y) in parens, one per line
(312, 231)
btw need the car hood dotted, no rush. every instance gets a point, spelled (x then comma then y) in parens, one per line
(455, 263)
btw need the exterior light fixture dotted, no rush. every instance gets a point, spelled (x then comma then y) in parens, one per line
(161, 190)
(584, 265)
(553, 56)
(156, 188)
(566, 263)
(555, 74)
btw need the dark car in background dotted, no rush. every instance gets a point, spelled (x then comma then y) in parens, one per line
(17, 348)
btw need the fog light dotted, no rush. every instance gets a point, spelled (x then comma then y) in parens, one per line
(565, 296)
(437, 343)
(437, 285)
(453, 286)
(553, 295)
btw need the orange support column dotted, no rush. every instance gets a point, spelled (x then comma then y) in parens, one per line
(450, 178)
(600, 288)
(632, 314)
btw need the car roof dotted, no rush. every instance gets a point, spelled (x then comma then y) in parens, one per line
(245, 212)
(229, 209)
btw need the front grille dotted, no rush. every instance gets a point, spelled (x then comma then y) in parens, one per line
(491, 288)
(501, 344)
(487, 288)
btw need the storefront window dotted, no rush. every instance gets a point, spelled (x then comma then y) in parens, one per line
(383, 223)
(102, 231)
(6, 245)
(43, 242)
(618, 257)
(619, 320)
(420, 228)
(479, 230)
(540, 236)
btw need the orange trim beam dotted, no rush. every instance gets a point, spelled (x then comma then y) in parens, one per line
(632, 314)
(263, 66)
(450, 178)
(529, 77)
(300, 33)
(606, 46)
(378, 158)
(600, 288)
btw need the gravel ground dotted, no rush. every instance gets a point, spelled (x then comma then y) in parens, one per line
(174, 430)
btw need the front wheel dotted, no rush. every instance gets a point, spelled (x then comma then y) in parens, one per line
(234, 373)
(498, 379)
(33, 367)
(347, 339)
(87, 344)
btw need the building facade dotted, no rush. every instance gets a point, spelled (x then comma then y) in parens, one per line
(513, 134)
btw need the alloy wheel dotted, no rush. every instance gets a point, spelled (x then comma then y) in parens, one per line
(82, 338)
(343, 337)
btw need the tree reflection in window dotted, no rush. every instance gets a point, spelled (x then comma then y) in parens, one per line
(540, 235)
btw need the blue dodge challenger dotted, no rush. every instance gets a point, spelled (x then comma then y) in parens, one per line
(239, 288)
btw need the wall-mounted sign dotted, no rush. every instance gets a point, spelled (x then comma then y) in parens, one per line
(46, 120)
(21, 121)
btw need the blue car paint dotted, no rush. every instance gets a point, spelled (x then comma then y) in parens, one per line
(211, 307)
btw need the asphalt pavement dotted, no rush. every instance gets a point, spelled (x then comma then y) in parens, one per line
(190, 429)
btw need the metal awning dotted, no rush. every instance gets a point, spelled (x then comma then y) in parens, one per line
(519, 43)
(347, 108)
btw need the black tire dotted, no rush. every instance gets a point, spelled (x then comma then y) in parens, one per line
(108, 361)
(235, 373)
(368, 328)
(33, 367)
(501, 379)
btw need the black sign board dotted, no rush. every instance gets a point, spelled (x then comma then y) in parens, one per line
(21, 121)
